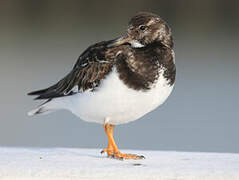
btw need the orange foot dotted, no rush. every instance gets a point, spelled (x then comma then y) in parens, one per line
(112, 149)
(119, 155)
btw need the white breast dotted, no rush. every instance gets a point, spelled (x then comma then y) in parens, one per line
(115, 103)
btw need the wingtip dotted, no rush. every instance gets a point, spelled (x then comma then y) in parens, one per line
(30, 94)
(38, 92)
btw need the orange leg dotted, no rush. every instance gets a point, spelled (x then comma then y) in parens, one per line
(112, 149)
(109, 150)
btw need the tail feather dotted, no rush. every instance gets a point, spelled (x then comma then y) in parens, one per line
(44, 108)
(40, 110)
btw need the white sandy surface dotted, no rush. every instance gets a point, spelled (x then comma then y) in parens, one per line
(89, 164)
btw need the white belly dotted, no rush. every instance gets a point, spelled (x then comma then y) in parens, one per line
(115, 103)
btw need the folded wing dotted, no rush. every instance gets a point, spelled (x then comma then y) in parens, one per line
(91, 67)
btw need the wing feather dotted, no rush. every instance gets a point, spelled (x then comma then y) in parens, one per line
(91, 67)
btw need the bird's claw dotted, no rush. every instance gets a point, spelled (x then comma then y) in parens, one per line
(120, 156)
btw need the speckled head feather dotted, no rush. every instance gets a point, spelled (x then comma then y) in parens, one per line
(149, 28)
(144, 29)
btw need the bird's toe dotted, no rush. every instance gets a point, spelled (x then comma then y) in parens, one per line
(121, 156)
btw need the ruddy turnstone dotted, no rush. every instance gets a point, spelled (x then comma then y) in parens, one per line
(117, 81)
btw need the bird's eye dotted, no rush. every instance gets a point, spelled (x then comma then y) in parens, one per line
(142, 27)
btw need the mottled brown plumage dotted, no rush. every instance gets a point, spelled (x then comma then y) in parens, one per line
(91, 67)
(138, 68)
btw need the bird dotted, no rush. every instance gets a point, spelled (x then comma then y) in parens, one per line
(117, 81)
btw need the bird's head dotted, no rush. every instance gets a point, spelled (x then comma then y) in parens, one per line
(144, 29)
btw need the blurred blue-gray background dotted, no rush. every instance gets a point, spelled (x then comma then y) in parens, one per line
(41, 40)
